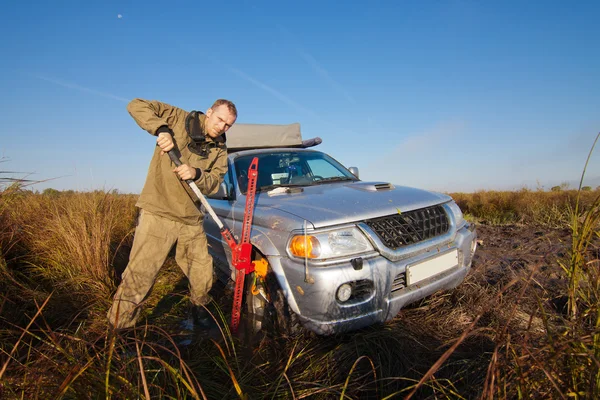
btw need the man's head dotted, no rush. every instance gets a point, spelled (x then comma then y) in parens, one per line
(219, 118)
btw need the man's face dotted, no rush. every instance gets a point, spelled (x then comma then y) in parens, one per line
(218, 120)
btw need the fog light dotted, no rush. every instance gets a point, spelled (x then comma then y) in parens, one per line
(344, 292)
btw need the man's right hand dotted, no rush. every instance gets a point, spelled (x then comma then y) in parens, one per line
(165, 142)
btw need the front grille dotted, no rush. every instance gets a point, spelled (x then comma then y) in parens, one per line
(411, 227)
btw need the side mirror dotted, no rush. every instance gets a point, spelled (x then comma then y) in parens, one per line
(354, 171)
(222, 193)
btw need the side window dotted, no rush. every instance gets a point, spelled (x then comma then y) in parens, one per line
(323, 168)
(241, 166)
(228, 181)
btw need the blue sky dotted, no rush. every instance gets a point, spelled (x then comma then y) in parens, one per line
(443, 95)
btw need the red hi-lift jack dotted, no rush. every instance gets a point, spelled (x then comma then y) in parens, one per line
(241, 254)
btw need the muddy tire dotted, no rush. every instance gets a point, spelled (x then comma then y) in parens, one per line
(254, 306)
(273, 317)
(279, 318)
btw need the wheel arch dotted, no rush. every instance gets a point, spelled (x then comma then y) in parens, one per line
(274, 266)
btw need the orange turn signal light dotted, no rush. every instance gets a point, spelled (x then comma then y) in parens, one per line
(305, 246)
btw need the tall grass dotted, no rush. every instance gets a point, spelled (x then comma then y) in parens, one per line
(72, 239)
(81, 365)
(584, 293)
(75, 237)
(61, 255)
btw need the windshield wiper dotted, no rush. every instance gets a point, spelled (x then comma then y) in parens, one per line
(333, 179)
(271, 187)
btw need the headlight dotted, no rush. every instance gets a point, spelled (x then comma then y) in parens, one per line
(337, 243)
(458, 215)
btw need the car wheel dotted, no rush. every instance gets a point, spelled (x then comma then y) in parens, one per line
(279, 318)
(268, 310)
(255, 303)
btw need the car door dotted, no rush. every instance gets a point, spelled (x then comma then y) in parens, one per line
(223, 207)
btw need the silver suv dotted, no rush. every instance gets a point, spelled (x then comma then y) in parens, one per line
(334, 253)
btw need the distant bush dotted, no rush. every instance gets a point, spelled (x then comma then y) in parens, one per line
(51, 192)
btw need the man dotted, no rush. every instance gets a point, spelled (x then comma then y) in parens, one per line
(168, 214)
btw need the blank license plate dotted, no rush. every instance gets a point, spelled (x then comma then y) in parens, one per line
(433, 266)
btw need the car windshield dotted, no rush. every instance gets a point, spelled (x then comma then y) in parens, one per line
(291, 168)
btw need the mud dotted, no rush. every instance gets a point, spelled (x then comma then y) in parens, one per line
(526, 253)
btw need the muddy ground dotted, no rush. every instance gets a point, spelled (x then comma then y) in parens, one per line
(528, 253)
(520, 247)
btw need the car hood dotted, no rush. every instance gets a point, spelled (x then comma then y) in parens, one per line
(339, 203)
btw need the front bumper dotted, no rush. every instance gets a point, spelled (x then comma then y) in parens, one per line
(313, 297)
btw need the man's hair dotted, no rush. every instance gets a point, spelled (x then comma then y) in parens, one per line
(229, 104)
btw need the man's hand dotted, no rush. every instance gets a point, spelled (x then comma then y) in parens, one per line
(186, 172)
(165, 142)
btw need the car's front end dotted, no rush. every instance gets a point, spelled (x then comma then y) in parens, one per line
(349, 276)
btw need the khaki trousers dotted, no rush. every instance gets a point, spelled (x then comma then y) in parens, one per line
(153, 240)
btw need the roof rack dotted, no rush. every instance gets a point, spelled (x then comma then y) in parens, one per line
(261, 136)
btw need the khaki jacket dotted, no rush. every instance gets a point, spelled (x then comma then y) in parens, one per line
(164, 193)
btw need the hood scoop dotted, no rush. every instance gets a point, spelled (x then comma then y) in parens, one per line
(372, 186)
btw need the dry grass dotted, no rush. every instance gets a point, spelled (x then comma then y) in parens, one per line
(61, 254)
(529, 207)
(75, 239)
